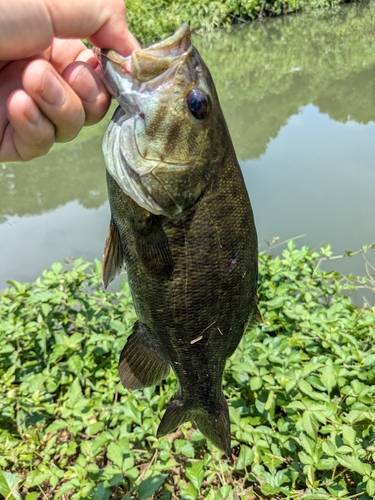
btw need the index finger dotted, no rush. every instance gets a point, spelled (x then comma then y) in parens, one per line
(27, 28)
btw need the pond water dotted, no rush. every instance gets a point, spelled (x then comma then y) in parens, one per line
(299, 97)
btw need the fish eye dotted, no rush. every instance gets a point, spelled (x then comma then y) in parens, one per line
(199, 103)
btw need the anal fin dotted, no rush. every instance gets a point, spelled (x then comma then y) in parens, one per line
(176, 414)
(140, 364)
(113, 256)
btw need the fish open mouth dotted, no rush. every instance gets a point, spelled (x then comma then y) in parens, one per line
(148, 146)
(147, 64)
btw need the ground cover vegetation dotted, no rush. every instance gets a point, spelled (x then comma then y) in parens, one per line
(151, 20)
(301, 388)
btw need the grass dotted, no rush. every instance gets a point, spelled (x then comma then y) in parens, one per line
(301, 388)
(152, 20)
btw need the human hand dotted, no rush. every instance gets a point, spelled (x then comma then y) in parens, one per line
(50, 82)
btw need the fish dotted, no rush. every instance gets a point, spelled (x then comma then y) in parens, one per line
(182, 226)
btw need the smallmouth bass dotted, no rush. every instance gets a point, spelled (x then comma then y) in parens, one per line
(182, 223)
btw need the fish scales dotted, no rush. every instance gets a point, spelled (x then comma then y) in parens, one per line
(183, 225)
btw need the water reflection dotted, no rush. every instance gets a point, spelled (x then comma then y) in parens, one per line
(266, 71)
(72, 172)
(322, 187)
(299, 97)
(30, 244)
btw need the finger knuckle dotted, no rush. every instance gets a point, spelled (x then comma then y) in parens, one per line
(70, 125)
(37, 144)
(97, 111)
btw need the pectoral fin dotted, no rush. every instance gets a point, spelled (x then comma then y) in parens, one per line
(140, 364)
(153, 247)
(113, 256)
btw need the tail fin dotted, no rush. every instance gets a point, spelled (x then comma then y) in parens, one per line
(215, 425)
(214, 422)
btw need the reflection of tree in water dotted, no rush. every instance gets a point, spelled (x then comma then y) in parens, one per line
(264, 73)
(74, 173)
(253, 124)
(350, 99)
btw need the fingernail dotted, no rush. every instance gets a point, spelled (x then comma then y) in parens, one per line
(52, 91)
(85, 86)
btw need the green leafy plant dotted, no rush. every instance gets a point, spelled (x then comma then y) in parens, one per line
(151, 20)
(301, 387)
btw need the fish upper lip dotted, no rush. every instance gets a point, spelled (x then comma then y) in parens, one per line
(145, 64)
(114, 57)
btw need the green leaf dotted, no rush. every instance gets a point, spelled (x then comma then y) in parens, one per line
(75, 392)
(70, 485)
(316, 496)
(270, 400)
(128, 463)
(189, 493)
(329, 448)
(32, 496)
(298, 405)
(115, 454)
(353, 463)
(102, 492)
(148, 486)
(225, 491)
(195, 472)
(370, 487)
(369, 360)
(255, 383)
(305, 387)
(305, 458)
(97, 267)
(35, 477)
(246, 457)
(349, 435)
(8, 486)
(326, 463)
(56, 426)
(118, 326)
(276, 303)
(310, 424)
(328, 378)
(184, 447)
(57, 267)
(95, 428)
(75, 364)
